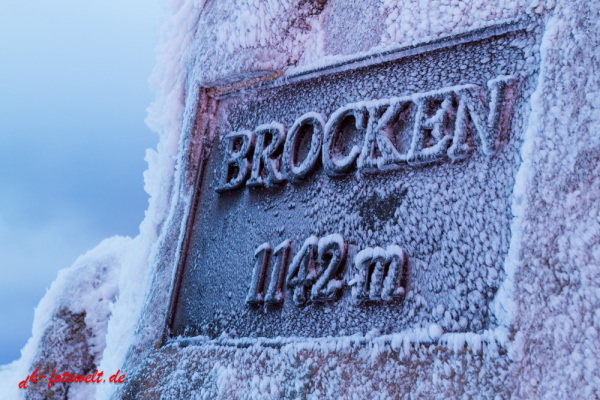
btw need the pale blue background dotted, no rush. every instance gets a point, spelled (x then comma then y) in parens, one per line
(73, 93)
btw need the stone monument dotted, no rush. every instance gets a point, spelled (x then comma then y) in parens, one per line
(365, 200)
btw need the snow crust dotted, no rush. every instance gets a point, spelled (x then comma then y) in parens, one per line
(547, 341)
(557, 203)
(111, 282)
(90, 285)
(355, 367)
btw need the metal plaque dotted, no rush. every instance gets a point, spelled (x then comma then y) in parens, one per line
(373, 192)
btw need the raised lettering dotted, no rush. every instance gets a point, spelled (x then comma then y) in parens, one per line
(266, 165)
(335, 163)
(302, 271)
(489, 117)
(236, 166)
(379, 151)
(296, 171)
(432, 134)
(332, 254)
(257, 284)
(275, 291)
(374, 135)
(378, 274)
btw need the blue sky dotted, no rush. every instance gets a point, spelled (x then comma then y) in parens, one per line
(73, 94)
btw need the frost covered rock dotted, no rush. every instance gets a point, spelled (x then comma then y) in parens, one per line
(70, 324)
(523, 323)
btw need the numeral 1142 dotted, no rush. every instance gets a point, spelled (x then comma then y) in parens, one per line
(316, 272)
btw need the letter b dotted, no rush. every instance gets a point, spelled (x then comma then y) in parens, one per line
(236, 167)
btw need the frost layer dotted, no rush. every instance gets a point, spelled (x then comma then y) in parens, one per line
(551, 291)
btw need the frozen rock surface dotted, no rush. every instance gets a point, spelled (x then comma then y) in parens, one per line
(108, 310)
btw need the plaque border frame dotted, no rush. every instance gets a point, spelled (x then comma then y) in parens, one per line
(273, 79)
